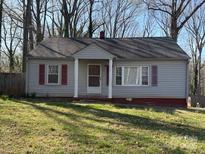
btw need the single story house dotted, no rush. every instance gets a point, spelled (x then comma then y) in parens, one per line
(138, 70)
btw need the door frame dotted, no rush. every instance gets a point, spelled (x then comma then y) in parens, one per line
(95, 90)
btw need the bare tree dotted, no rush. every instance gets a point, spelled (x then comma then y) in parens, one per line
(68, 14)
(80, 19)
(54, 19)
(177, 12)
(39, 9)
(117, 16)
(11, 39)
(196, 31)
(148, 27)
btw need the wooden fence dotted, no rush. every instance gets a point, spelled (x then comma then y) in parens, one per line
(12, 84)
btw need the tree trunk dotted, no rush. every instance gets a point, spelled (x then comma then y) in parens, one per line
(195, 78)
(30, 26)
(25, 37)
(66, 19)
(31, 40)
(1, 12)
(11, 62)
(44, 21)
(27, 11)
(90, 29)
(174, 29)
(199, 73)
(39, 36)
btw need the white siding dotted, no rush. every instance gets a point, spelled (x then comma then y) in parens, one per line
(171, 80)
(93, 52)
(49, 90)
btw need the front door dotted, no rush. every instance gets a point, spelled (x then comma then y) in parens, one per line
(94, 79)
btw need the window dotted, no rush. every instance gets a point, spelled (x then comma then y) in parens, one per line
(119, 76)
(130, 76)
(94, 75)
(145, 78)
(53, 74)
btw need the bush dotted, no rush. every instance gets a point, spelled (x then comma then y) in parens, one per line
(4, 97)
(33, 95)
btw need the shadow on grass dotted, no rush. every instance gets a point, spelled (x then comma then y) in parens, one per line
(79, 130)
(137, 121)
(168, 110)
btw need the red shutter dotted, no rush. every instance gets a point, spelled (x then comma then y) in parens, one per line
(64, 78)
(154, 75)
(107, 74)
(41, 74)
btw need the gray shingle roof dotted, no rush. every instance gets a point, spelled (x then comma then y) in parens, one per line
(123, 48)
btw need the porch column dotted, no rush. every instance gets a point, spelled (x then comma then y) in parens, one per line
(76, 78)
(110, 79)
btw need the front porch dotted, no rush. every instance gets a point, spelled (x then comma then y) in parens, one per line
(93, 78)
(93, 70)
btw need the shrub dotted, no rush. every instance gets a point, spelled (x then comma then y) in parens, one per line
(4, 97)
(33, 95)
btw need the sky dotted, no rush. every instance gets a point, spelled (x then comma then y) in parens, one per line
(140, 20)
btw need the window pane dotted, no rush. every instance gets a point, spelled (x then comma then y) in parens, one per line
(94, 70)
(94, 81)
(144, 75)
(144, 71)
(132, 76)
(53, 69)
(118, 80)
(145, 80)
(138, 76)
(52, 78)
(119, 71)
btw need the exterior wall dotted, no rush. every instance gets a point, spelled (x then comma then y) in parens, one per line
(64, 90)
(49, 90)
(171, 80)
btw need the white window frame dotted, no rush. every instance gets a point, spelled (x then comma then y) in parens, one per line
(148, 75)
(59, 74)
(140, 85)
(122, 80)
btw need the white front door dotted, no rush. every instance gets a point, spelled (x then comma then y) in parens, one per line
(94, 78)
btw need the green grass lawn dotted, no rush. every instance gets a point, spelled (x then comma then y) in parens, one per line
(63, 127)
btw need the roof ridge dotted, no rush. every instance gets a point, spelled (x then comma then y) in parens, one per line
(138, 37)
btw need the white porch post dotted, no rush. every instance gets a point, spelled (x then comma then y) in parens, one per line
(76, 78)
(110, 79)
